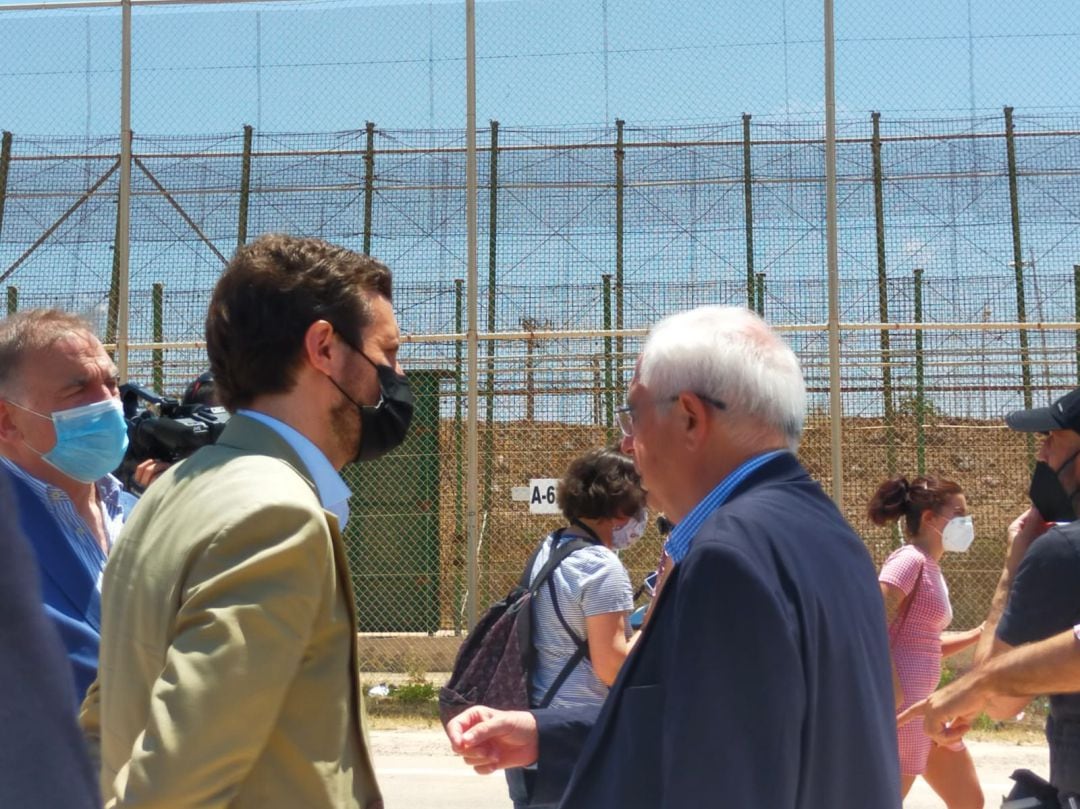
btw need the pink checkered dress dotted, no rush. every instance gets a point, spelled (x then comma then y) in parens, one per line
(915, 641)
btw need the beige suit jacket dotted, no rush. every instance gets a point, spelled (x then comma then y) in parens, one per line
(228, 673)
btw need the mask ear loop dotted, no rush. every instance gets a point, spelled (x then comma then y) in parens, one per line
(26, 409)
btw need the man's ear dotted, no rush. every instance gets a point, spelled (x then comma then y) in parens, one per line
(9, 433)
(319, 346)
(692, 417)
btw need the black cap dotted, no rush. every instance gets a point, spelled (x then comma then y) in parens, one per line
(1064, 414)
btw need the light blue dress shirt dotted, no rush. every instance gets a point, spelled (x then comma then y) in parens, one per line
(332, 490)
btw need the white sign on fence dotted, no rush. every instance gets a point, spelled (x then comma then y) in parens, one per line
(539, 494)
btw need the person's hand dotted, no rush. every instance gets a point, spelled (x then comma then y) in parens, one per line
(1022, 531)
(148, 471)
(490, 740)
(948, 713)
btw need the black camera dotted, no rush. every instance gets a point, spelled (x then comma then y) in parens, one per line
(166, 430)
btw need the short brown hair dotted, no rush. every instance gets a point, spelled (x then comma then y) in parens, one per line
(601, 483)
(898, 497)
(269, 295)
(33, 330)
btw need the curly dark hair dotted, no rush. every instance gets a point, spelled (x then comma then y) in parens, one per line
(270, 293)
(598, 484)
(898, 497)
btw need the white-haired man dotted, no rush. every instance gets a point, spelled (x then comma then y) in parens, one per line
(762, 678)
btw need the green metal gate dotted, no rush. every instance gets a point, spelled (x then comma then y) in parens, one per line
(393, 531)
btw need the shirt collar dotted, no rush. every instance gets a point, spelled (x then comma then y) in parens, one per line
(682, 535)
(332, 490)
(108, 488)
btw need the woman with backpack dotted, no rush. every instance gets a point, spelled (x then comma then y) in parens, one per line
(934, 511)
(579, 622)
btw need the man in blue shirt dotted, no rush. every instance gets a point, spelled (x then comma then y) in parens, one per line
(44, 758)
(762, 675)
(62, 431)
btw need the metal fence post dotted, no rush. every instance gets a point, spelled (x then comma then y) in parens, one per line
(489, 382)
(472, 514)
(245, 188)
(369, 185)
(609, 393)
(759, 290)
(620, 192)
(1076, 316)
(883, 296)
(748, 211)
(13, 300)
(459, 469)
(1018, 265)
(836, 398)
(920, 392)
(157, 303)
(123, 213)
(5, 166)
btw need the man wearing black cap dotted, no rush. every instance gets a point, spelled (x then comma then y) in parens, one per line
(1038, 595)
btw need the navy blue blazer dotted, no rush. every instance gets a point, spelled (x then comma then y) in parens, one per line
(70, 595)
(43, 762)
(762, 679)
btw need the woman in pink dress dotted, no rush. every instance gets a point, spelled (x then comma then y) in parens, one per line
(917, 607)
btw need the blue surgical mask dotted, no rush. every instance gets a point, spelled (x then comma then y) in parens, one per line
(90, 440)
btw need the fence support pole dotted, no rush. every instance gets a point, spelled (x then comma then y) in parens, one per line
(245, 188)
(609, 392)
(748, 211)
(459, 478)
(123, 213)
(12, 300)
(759, 291)
(1076, 316)
(883, 296)
(369, 185)
(1018, 265)
(836, 400)
(489, 348)
(920, 390)
(157, 304)
(620, 191)
(472, 514)
(5, 166)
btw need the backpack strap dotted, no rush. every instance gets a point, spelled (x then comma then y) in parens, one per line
(558, 554)
(555, 558)
(571, 663)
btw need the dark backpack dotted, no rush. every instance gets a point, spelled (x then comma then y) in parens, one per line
(494, 665)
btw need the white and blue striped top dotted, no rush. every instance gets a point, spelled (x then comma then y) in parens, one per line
(591, 581)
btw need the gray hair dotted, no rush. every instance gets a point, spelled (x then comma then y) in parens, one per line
(32, 330)
(729, 354)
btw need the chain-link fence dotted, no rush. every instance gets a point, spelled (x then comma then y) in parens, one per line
(958, 236)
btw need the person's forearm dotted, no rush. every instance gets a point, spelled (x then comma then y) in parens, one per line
(1051, 666)
(985, 644)
(953, 642)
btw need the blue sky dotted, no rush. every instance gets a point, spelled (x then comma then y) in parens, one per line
(325, 66)
(543, 67)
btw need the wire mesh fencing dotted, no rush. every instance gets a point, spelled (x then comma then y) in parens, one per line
(958, 297)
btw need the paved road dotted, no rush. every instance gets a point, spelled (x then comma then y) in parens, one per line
(417, 771)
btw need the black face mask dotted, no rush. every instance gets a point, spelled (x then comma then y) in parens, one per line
(383, 426)
(1048, 495)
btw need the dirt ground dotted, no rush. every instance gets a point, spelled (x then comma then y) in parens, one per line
(989, 461)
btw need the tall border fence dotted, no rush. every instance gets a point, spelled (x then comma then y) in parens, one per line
(959, 298)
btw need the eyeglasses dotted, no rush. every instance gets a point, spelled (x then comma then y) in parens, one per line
(625, 414)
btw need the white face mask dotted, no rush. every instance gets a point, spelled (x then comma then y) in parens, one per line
(958, 535)
(623, 536)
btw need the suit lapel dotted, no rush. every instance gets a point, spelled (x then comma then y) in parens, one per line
(57, 560)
